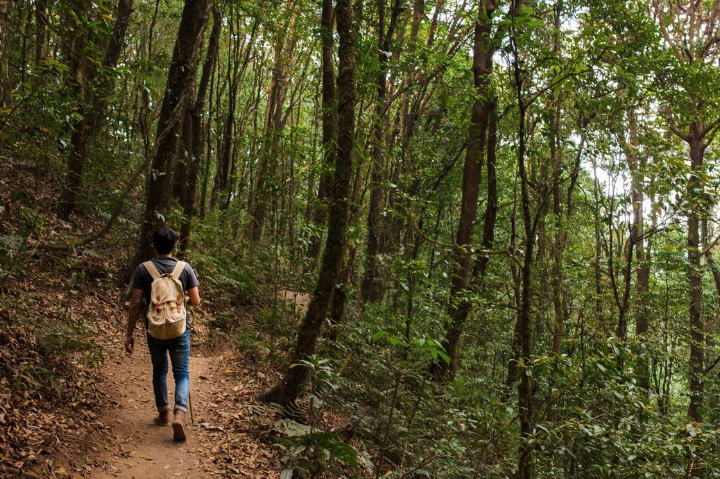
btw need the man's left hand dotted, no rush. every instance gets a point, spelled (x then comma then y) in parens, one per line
(129, 344)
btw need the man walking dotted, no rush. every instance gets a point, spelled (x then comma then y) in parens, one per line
(167, 323)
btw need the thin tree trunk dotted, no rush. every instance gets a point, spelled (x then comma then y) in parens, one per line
(208, 146)
(4, 10)
(230, 148)
(374, 278)
(636, 235)
(40, 30)
(104, 85)
(697, 332)
(560, 236)
(524, 320)
(196, 139)
(288, 389)
(78, 72)
(224, 161)
(180, 86)
(483, 51)
(25, 35)
(267, 167)
(329, 124)
(599, 316)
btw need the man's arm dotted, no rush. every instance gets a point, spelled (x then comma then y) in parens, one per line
(135, 306)
(193, 297)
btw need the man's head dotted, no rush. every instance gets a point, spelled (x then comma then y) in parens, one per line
(164, 240)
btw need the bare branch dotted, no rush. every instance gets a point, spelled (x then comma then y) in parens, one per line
(664, 29)
(712, 41)
(710, 29)
(711, 129)
(674, 128)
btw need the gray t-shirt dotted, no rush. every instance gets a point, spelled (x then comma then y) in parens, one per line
(143, 280)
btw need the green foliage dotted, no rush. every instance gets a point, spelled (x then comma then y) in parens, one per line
(307, 454)
(237, 274)
(309, 451)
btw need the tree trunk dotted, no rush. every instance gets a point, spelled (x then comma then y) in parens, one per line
(78, 72)
(104, 85)
(40, 30)
(180, 85)
(339, 296)
(627, 249)
(117, 37)
(636, 235)
(89, 119)
(267, 167)
(697, 22)
(196, 142)
(288, 389)
(483, 52)
(225, 158)
(4, 10)
(373, 279)
(329, 124)
(597, 261)
(697, 330)
(560, 236)
(208, 146)
(524, 320)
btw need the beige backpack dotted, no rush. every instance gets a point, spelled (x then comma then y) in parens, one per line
(166, 312)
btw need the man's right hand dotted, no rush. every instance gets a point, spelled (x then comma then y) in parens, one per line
(129, 344)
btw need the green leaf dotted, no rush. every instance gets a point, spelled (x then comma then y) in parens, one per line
(445, 357)
(380, 335)
(344, 452)
(535, 23)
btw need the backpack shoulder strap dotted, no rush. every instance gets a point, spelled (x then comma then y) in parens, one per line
(152, 269)
(179, 267)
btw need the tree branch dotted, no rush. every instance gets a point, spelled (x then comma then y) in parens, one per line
(675, 129)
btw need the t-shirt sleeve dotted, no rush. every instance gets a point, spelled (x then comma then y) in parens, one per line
(138, 279)
(191, 280)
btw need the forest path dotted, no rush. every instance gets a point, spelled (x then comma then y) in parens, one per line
(227, 435)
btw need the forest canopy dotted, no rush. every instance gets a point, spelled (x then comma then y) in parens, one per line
(504, 212)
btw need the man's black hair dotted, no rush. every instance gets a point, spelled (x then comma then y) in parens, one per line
(164, 240)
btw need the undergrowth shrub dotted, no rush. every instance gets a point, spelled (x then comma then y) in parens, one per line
(590, 419)
(238, 277)
(230, 278)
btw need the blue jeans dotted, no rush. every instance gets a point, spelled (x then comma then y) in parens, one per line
(179, 351)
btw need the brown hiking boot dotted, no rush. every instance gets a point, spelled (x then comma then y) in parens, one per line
(163, 418)
(178, 425)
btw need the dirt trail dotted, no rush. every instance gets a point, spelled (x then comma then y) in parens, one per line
(231, 435)
(147, 450)
(141, 449)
